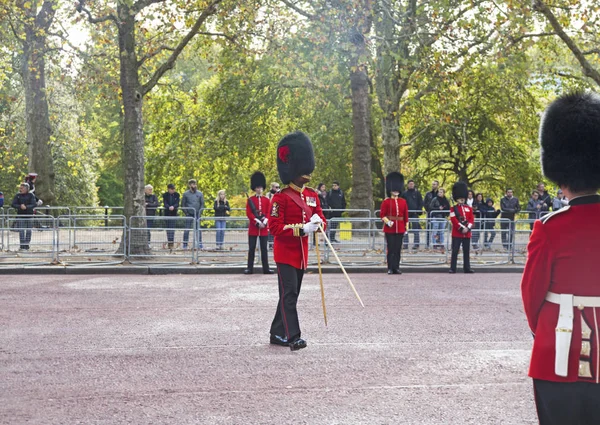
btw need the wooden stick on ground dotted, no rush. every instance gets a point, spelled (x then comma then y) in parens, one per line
(340, 263)
(321, 279)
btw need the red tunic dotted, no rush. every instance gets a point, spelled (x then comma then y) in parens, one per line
(290, 245)
(396, 210)
(464, 211)
(561, 257)
(262, 206)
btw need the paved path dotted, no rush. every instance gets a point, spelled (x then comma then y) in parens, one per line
(427, 349)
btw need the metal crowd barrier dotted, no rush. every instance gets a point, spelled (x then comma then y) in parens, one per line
(27, 239)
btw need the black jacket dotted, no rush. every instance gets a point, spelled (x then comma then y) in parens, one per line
(429, 196)
(414, 201)
(488, 212)
(222, 209)
(336, 201)
(435, 205)
(151, 204)
(171, 200)
(28, 199)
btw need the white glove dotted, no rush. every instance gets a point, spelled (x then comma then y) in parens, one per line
(265, 221)
(259, 223)
(40, 202)
(316, 219)
(310, 228)
(390, 223)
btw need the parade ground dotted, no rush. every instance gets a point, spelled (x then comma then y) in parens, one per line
(428, 348)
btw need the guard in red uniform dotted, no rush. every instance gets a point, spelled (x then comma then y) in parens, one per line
(295, 215)
(394, 213)
(257, 210)
(560, 286)
(461, 216)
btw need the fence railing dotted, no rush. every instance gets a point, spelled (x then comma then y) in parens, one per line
(77, 238)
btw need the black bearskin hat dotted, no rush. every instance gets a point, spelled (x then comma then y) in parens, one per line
(295, 156)
(460, 190)
(394, 182)
(570, 141)
(258, 179)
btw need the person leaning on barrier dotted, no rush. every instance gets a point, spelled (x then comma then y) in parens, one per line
(559, 200)
(488, 216)
(394, 213)
(222, 209)
(171, 203)
(257, 210)
(151, 204)
(560, 286)
(24, 202)
(477, 204)
(509, 205)
(414, 201)
(192, 204)
(336, 201)
(440, 207)
(295, 214)
(461, 216)
(430, 196)
(535, 207)
(544, 195)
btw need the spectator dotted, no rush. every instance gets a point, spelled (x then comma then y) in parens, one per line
(440, 209)
(24, 202)
(257, 210)
(535, 206)
(509, 205)
(544, 195)
(429, 196)
(171, 204)
(151, 203)
(322, 191)
(414, 201)
(1, 199)
(470, 198)
(559, 201)
(477, 204)
(337, 203)
(462, 219)
(274, 189)
(488, 216)
(222, 209)
(192, 204)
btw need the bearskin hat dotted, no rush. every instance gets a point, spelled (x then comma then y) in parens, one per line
(295, 156)
(258, 179)
(460, 190)
(394, 182)
(570, 141)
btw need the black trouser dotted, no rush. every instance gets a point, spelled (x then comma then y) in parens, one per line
(285, 323)
(416, 226)
(24, 235)
(567, 403)
(489, 231)
(508, 229)
(456, 243)
(394, 248)
(332, 226)
(149, 225)
(475, 234)
(263, 252)
(170, 224)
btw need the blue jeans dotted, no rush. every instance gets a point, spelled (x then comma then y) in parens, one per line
(221, 224)
(437, 237)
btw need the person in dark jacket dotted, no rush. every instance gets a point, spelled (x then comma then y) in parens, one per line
(430, 196)
(509, 205)
(222, 209)
(488, 218)
(544, 195)
(171, 204)
(337, 203)
(151, 203)
(535, 207)
(476, 233)
(24, 202)
(440, 209)
(414, 201)
(192, 205)
(1, 199)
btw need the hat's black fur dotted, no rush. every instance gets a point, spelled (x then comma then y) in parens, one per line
(460, 190)
(570, 141)
(394, 181)
(258, 179)
(295, 156)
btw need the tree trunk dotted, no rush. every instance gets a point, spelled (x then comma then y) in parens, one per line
(133, 131)
(391, 143)
(38, 126)
(362, 181)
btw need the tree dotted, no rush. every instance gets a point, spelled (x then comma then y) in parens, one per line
(131, 19)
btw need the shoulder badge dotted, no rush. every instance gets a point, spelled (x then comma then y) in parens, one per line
(275, 209)
(547, 217)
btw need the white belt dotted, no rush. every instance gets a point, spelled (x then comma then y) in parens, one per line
(564, 327)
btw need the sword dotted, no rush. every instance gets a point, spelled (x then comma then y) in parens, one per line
(340, 263)
(321, 281)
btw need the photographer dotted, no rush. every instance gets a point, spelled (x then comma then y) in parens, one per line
(462, 220)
